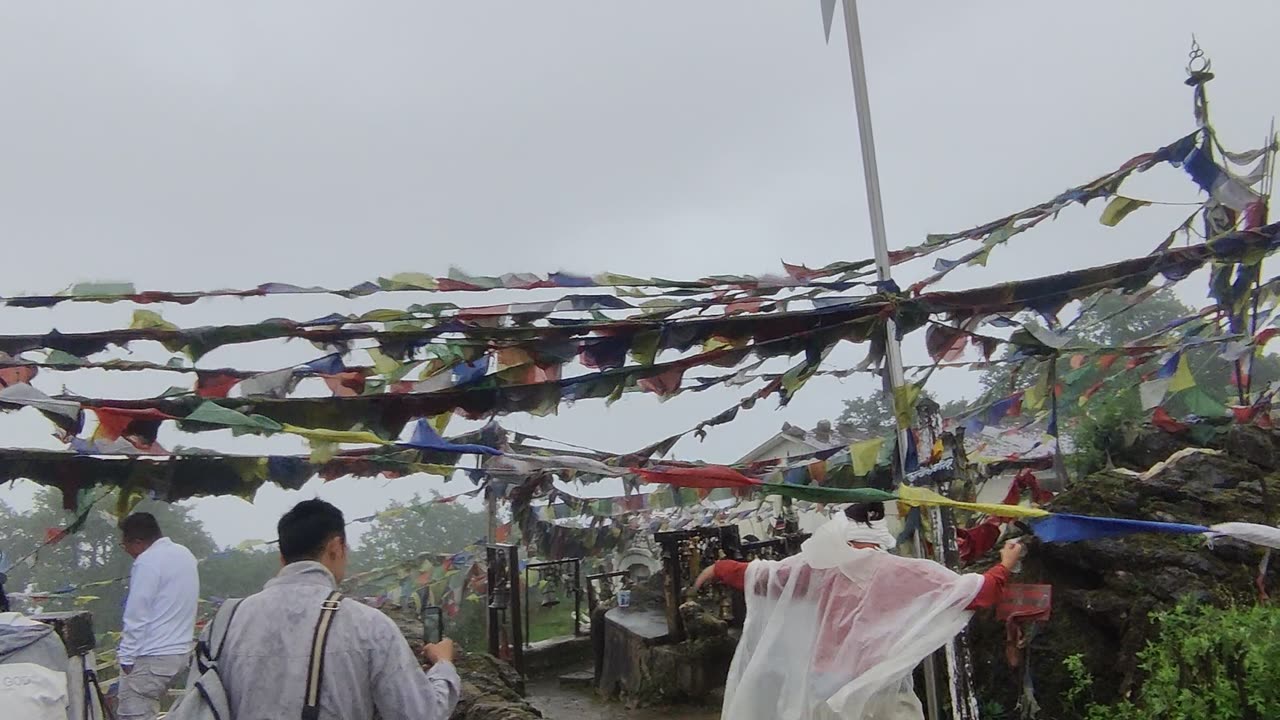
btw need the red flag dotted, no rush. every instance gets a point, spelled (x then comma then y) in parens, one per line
(138, 425)
(15, 375)
(214, 385)
(705, 476)
(1163, 420)
(345, 384)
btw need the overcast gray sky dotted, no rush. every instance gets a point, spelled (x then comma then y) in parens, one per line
(195, 145)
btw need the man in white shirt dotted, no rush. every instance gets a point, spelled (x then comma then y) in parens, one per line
(159, 616)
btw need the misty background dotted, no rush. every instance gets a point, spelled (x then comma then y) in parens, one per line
(188, 147)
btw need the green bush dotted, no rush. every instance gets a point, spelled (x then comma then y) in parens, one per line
(1101, 431)
(1206, 663)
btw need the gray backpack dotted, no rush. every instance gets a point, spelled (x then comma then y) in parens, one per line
(206, 698)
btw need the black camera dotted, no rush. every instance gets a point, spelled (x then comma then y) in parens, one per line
(75, 629)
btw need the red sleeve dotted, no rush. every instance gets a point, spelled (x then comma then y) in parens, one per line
(993, 582)
(731, 573)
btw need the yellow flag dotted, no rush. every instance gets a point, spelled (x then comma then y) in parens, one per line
(1182, 378)
(335, 436)
(1119, 207)
(864, 454)
(1034, 396)
(916, 497)
(412, 280)
(440, 422)
(904, 404)
(383, 363)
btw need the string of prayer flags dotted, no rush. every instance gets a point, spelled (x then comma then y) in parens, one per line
(999, 231)
(838, 273)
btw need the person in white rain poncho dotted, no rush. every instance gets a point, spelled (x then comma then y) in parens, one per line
(836, 631)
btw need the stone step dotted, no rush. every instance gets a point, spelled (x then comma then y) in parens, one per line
(580, 679)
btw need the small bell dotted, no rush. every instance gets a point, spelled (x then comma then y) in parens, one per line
(498, 600)
(549, 598)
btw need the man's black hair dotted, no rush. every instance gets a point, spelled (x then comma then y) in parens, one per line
(304, 530)
(141, 526)
(865, 513)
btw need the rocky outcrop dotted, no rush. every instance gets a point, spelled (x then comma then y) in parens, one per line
(491, 688)
(1105, 590)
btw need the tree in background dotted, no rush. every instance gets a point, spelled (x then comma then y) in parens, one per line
(94, 554)
(1094, 402)
(872, 414)
(90, 555)
(237, 573)
(404, 530)
(1112, 322)
(1097, 402)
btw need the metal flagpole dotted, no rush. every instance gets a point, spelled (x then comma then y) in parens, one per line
(894, 378)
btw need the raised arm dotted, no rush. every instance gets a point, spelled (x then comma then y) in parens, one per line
(994, 580)
(401, 690)
(726, 572)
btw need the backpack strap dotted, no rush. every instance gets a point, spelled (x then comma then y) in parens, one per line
(315, 669)
(208, 652)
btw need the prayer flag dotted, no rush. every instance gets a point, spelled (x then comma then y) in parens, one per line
(1061, 527)
(864, 455)
(916, 496)
(1119, 208)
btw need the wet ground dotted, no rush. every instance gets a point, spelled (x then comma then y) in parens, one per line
(558, 703)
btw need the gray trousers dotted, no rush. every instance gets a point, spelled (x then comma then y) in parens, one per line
(141, 690)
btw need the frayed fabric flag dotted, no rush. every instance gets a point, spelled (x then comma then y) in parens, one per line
(863, 455)
(1061, 527)
(1263, 535)
(1220, 184)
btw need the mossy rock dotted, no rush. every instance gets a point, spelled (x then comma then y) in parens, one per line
(491, 688)
(1105, 590)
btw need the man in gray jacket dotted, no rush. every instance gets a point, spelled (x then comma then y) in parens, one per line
(368, 666)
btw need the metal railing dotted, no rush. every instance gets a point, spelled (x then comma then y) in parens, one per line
(592, 601)
(576, 565)
(503, 583)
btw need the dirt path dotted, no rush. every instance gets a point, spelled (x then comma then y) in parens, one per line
(557, 703)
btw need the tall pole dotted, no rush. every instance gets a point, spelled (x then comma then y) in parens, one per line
(490, 506)
(871, 175)
(894, 376)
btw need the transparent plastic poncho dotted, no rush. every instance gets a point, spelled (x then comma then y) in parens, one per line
(836, 631)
